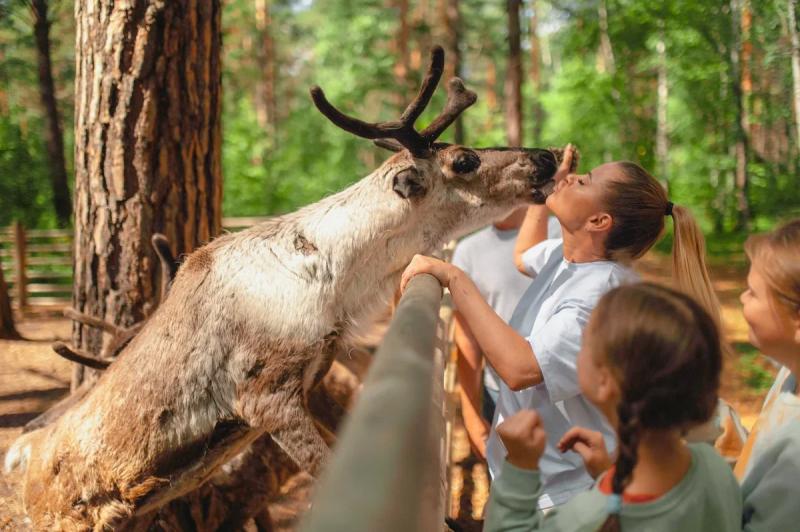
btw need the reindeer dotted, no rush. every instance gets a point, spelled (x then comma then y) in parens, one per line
(252, 320)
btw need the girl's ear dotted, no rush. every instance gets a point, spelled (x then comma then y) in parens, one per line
(599, 222)
(607, 392)
(796, 326)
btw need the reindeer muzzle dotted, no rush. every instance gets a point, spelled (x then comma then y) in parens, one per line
(544, 164)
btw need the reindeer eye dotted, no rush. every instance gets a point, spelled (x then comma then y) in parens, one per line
(466, 162)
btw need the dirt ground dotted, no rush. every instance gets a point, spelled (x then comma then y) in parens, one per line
(32, 378)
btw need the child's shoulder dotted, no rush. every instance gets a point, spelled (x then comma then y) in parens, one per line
(783, 444)
(712, 468)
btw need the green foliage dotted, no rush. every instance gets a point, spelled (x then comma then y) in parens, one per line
(605, 105)
(24, 187)
(751, 366)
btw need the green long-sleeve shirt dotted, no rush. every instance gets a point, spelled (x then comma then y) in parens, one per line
(707, 499)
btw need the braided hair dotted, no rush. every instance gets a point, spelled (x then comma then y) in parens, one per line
(664, 350)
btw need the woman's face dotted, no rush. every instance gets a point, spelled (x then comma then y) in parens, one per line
(772, 326)
(578, 198)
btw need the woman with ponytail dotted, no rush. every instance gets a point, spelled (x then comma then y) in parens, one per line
(651, 363)
(609, 217)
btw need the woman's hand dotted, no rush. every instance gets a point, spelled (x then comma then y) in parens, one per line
(524, 438)
(566, 163)
(590, 445)
(443, 271)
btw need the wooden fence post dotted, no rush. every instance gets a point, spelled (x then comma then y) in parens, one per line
(20, 259)
(386, 458)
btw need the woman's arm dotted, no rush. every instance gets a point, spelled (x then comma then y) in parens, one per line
(509, 353)
(532, 231)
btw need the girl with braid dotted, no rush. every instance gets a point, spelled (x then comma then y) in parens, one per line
(609, 216)
(651, 363)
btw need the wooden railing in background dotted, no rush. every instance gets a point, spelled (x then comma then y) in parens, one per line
(37, 265)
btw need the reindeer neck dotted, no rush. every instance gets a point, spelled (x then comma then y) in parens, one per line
(366, 227)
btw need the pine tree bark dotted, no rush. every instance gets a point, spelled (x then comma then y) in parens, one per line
(54, 138)
(8, 330)
(147, 149)
(513, 87)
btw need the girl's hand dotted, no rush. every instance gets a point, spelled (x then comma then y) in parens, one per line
(524, 438)
(443, 271)
(590, 445)
(566, 163)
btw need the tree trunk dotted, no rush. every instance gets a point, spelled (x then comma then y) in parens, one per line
(513, 89)
(662, 134)
(740, 19)
(606, 50)
(147, 149)
(536, 74)
(401, 66)
(450, 16)
(792, 10)
(54, 138)
(265, 98)
(8, 330)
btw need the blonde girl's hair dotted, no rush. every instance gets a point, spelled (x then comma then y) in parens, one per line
(638, 206)
(664, 351)
(777, 256)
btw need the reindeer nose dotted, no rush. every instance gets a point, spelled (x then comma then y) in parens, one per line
(543, 164)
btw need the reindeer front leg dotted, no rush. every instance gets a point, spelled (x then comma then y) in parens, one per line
(284, 415)
(301, 440)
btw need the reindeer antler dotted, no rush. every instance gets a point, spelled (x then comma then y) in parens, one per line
(400, 134)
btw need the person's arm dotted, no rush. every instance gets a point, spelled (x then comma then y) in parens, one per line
(509, 353)
(532, 231)
(513, 500)
(468, 364)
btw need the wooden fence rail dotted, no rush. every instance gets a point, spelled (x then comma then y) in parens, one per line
(389, 469)
(37, 265)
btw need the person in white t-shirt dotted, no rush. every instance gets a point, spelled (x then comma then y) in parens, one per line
(487, 256)
(609, 217)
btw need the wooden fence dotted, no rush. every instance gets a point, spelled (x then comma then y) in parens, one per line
(389, 471)
(37, 265)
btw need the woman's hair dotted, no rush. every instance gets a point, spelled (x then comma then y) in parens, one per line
(638, 206)
(777, 255)
(664, 350)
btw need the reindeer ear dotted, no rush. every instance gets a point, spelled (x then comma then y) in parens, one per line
(408, 184)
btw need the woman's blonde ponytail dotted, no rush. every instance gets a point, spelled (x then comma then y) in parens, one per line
(689, 268)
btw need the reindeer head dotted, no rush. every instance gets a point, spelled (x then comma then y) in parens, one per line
(435, 175)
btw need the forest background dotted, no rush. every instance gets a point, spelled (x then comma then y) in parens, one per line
(703, 94)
